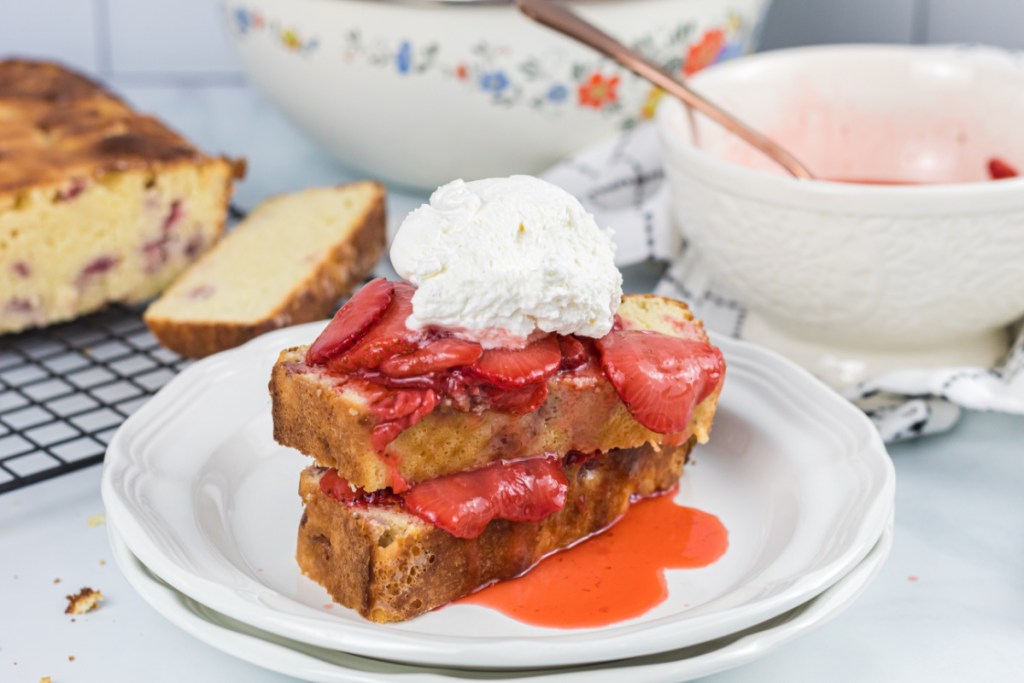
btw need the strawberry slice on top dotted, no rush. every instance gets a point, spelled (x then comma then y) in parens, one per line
(515, 368)
(439, 355)
(388, 337)
(352, 320)
(574, 353)
(660, 378)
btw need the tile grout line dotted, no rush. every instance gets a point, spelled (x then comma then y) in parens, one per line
(919, 21)
(101, 26)
(160, 79)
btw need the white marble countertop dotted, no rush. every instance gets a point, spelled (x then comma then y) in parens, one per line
(948, 606)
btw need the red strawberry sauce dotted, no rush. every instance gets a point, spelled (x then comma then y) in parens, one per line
(616, 575)
(998, 169)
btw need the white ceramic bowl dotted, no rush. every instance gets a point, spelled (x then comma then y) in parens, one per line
(856, 278)
(423, 92)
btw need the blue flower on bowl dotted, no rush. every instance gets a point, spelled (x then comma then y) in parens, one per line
(557, 93)
(494, 82)
(731, 50)
(403, 59)
(242, 20)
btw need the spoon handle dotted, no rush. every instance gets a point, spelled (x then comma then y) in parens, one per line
(559, 18)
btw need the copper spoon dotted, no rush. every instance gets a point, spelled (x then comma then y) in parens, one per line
(559, 18)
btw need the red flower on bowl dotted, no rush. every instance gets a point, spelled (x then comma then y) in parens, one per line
(598, 90)
(704, 52)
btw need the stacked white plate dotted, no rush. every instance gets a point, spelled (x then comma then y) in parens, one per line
(203, 511)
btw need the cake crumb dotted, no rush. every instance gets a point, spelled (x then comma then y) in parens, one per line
(56, 581)
(86, 600)
(103, 563)
(99, 519)
(912, 579)
(45, 679)
(71, 658)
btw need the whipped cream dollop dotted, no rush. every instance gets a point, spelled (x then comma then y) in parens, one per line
(501, 258)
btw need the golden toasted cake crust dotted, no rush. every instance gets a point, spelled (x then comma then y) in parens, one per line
(390, 565)
(317, 415)
(98, 204)
(313, 294)
(56, 124)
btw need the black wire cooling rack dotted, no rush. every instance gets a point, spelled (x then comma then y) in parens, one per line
(64, 391)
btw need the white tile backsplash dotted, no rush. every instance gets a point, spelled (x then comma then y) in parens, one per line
(61, 30)
(176, 42)
(993, 22)
(176, 38)
(809, 22)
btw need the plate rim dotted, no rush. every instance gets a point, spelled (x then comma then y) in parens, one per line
(546, 650)
(758, 642)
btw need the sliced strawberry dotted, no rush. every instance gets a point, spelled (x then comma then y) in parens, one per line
(514, 368)
(389, 337)
(393, 404)
(517, 401)
(397, 410)
(431, 381)
(352, 321)
(999, 169)
(434, 357)
(383, 434)
(463, 504)
(660, 378)
(574, 354)
(336, 487)
(463, 391)
(333, 485)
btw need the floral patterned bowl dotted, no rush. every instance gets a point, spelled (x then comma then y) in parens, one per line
(856, 278)
(423, 92)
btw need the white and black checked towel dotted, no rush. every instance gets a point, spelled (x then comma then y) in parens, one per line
(621, 182)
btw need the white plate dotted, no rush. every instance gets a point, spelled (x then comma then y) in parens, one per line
(331, 666)
(206, 499)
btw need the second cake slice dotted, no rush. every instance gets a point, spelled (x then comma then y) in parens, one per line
(288, 262)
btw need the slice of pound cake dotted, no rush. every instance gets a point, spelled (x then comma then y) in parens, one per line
(382, 431)
(98, 204)
(288, 262)
(379, 554)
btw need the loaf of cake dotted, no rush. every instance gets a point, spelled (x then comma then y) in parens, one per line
(288, 262)
(98, 204)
